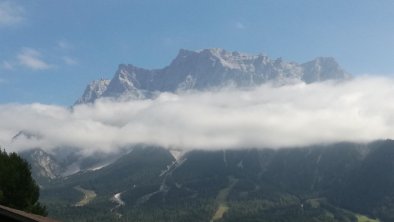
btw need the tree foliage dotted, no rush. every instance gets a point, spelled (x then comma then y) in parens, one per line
(17, 187)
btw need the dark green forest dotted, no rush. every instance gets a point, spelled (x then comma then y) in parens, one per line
(17, 187)
(342, 182)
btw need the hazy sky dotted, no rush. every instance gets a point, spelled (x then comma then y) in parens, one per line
(50, 49)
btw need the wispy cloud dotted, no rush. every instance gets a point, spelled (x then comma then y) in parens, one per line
(295, 115)
(31, 58)
(239, 25)
(64, 45)
(70, 61)
(10, 13)
(7, 65)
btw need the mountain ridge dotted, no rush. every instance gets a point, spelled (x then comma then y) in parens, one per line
(314, 183)
(210, 68)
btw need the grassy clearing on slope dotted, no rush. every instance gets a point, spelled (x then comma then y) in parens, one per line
(220, 212)
(221, 199)
(89, 195)
(362, 218)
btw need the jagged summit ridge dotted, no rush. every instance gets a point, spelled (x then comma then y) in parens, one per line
(94, 90)
(210, 68)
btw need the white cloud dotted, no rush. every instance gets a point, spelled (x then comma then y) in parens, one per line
(359, 110)
(10, 13)
(31, 58)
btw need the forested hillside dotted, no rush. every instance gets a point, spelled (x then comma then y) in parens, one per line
(338, 182)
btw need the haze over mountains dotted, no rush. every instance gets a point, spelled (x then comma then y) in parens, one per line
(209, 69)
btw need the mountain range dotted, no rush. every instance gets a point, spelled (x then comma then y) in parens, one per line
(346, 182)
(209, 69)
(337, 182)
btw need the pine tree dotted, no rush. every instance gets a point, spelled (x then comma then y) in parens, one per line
(17, 187)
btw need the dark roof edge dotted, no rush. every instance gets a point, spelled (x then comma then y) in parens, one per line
(23, 216)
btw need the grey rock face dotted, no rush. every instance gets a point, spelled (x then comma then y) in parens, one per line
(93, 91)
(321, 69)
(210, 68)
(44, 166)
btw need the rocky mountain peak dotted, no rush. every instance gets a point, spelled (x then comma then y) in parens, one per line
(323, 68)
(94, 90)
(209, 68)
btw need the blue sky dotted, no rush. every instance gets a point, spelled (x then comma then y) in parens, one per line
(50, 49)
